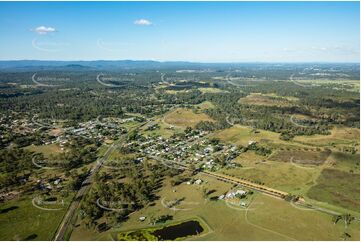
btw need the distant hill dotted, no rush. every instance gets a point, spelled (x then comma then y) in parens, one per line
(27, 65)
(268, 69)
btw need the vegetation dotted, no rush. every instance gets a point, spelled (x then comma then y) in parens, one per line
(143, 151)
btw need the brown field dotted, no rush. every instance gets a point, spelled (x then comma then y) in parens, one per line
(182, 117)
(339, 135)
(338, 188)
(301, 156)
(56, 132)
(267, 100)
(46, 150)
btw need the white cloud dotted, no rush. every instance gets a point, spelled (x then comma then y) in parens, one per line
(142, 22)
(44, 30)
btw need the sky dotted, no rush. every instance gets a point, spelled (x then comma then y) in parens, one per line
(181, 31)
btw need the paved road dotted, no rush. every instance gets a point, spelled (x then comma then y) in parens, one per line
(85, 187)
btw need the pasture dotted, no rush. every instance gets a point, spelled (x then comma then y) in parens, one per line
(338, 136)
(183, 118)
(266, 218)
(210, 90)
(268, 100)
(338, 188)
(286, 177)
(241, 135)
(46, 150)
(20, 220)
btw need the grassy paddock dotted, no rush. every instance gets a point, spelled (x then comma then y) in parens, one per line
(338, 188)
(211, 90)
(268, 100)
(46, 150)
(241, 135)
(183, 118)
(20, 220)
(268, 218)
(339, 135)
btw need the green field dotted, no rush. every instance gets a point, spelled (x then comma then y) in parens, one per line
(20, 220)
(205, 105)
(338, 136)
(183, 118)
(241, 135)
(47, 150)
(210, 90)
(338, 188)
(266, 219)
(286, 177)
(268, 100)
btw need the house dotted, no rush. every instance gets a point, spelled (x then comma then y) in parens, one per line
(234, 194)
(251, 142)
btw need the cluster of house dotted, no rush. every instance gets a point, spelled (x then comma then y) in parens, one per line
(234, 194)
(98, 129)
(16, 125)
(192, 148)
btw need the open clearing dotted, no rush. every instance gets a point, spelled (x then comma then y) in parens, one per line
(205, 105)
(241, 135)
(301, 156)
(349, 85)
(282, 176)
(337, 188)
(268, 100)
(182, 117)
(346, 162)
(210, 90)
(164, 130)
(20, 220)
(338, 136)
(177, 91)
(46, 150)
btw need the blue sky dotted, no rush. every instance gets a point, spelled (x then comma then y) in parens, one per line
(189, 31)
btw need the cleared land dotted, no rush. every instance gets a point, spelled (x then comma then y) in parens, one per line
(301, 156)
(266, 219)
(338, 188)
(205, 105)
(241, 135)
(47, 150)
(283, 176)
(210, 90)
(183, 118)
(20, 220)
(338, 136)
(268, 100)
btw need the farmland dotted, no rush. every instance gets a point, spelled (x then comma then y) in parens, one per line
(184, 118)
(228, 158)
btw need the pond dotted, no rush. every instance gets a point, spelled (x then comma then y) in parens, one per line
(179, 231)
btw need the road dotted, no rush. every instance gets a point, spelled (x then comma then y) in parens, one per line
(85, 187)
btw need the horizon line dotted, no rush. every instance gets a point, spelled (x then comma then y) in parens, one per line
(189, 61)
